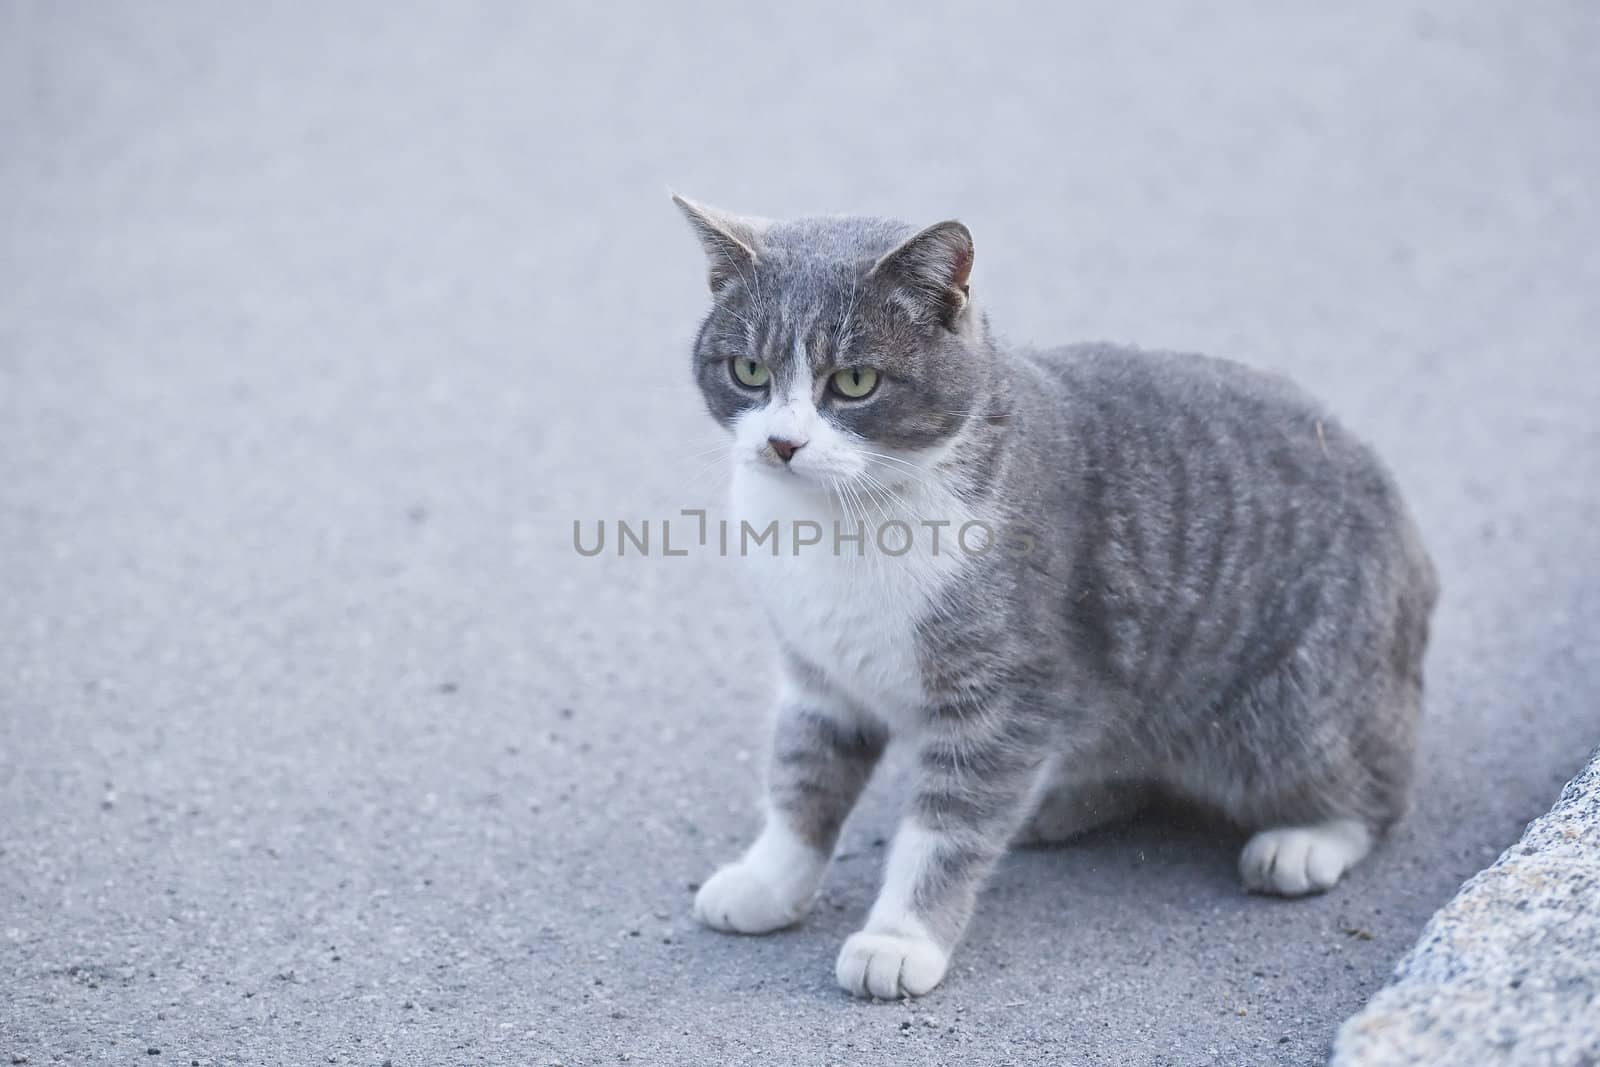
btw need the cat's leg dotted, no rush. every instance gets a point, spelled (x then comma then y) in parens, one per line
(1067, 807)
(976, 772)
(1326, 804)
(822, 756)
(1293, 861)
(1332, 801)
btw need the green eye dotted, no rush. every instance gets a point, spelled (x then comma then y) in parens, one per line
(853, 383)
(751, 373)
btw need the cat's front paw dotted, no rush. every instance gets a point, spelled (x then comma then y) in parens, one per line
(890, 966)
(737, 900)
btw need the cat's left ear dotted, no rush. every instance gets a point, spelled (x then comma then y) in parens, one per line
(730, 242)
(929, 272)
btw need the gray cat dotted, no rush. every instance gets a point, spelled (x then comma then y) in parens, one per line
(1107, 573)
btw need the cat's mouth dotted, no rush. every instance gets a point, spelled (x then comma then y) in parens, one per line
(780, 469)
(800, 471)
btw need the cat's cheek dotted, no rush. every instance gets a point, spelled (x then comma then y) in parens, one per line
(748, 438)
(725, 402)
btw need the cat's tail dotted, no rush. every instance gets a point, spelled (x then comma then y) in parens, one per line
(1419, 595)
(1426, 574)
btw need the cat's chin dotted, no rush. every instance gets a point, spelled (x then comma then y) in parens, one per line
(799, 478)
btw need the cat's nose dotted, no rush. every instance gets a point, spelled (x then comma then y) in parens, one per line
(785, 448)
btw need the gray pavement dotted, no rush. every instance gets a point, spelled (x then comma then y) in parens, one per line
(318, 327)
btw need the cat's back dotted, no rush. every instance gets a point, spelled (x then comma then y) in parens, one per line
(1167, 393)
(1209, 499)
(1146, 416)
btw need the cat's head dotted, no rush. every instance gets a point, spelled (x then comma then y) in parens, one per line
(839, 350)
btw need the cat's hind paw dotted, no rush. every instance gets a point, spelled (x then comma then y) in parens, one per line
(736, 900)
(890, 966)
(1293, 861)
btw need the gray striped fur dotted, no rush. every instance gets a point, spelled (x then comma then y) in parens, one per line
(1225, 600)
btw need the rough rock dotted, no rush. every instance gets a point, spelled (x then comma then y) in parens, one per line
(1509, 971)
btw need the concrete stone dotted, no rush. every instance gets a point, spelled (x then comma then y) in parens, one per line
(1509, 971)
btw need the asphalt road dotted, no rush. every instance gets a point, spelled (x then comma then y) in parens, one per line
(319, 327)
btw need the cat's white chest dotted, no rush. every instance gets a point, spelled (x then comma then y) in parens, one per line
(853, 616)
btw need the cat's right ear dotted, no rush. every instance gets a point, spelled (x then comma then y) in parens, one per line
(929, 271)
(730, 242)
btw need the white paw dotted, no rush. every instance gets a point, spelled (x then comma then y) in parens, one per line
(738, 901)
(890, 966)
(1293, 861)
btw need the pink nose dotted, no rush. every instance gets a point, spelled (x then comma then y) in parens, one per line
(785, 449)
